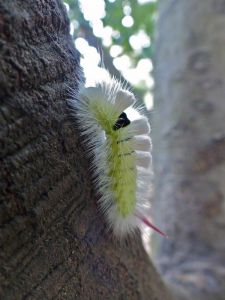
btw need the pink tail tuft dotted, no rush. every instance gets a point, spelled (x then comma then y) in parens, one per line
(149, 224)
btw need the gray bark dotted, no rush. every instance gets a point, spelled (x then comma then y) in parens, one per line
(53, 240)
(189, 146)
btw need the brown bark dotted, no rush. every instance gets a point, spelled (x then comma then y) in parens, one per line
(53, 242)
(189, 146)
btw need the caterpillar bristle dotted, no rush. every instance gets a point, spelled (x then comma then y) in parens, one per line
(141, 143)
(140, 127)
(143, 159)
(123, 100)
(90, 93)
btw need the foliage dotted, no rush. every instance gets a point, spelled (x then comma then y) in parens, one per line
(143, 15)
(144, 18)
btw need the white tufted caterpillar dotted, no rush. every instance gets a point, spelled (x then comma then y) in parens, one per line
(121, 153)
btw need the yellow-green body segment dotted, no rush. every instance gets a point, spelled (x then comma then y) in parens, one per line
(120, 156)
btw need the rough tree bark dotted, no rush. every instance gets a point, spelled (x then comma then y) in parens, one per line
(53, 242)
(189, 146)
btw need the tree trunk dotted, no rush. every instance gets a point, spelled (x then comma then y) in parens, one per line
(52, 237)
(189, 146)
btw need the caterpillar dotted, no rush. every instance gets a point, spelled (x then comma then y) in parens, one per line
(120, 153)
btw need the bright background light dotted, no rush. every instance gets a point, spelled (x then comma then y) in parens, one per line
(139, 75)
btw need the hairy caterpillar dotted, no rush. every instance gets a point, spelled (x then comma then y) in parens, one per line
(121, 153)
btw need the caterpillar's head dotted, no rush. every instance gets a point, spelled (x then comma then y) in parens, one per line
(122, 121)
